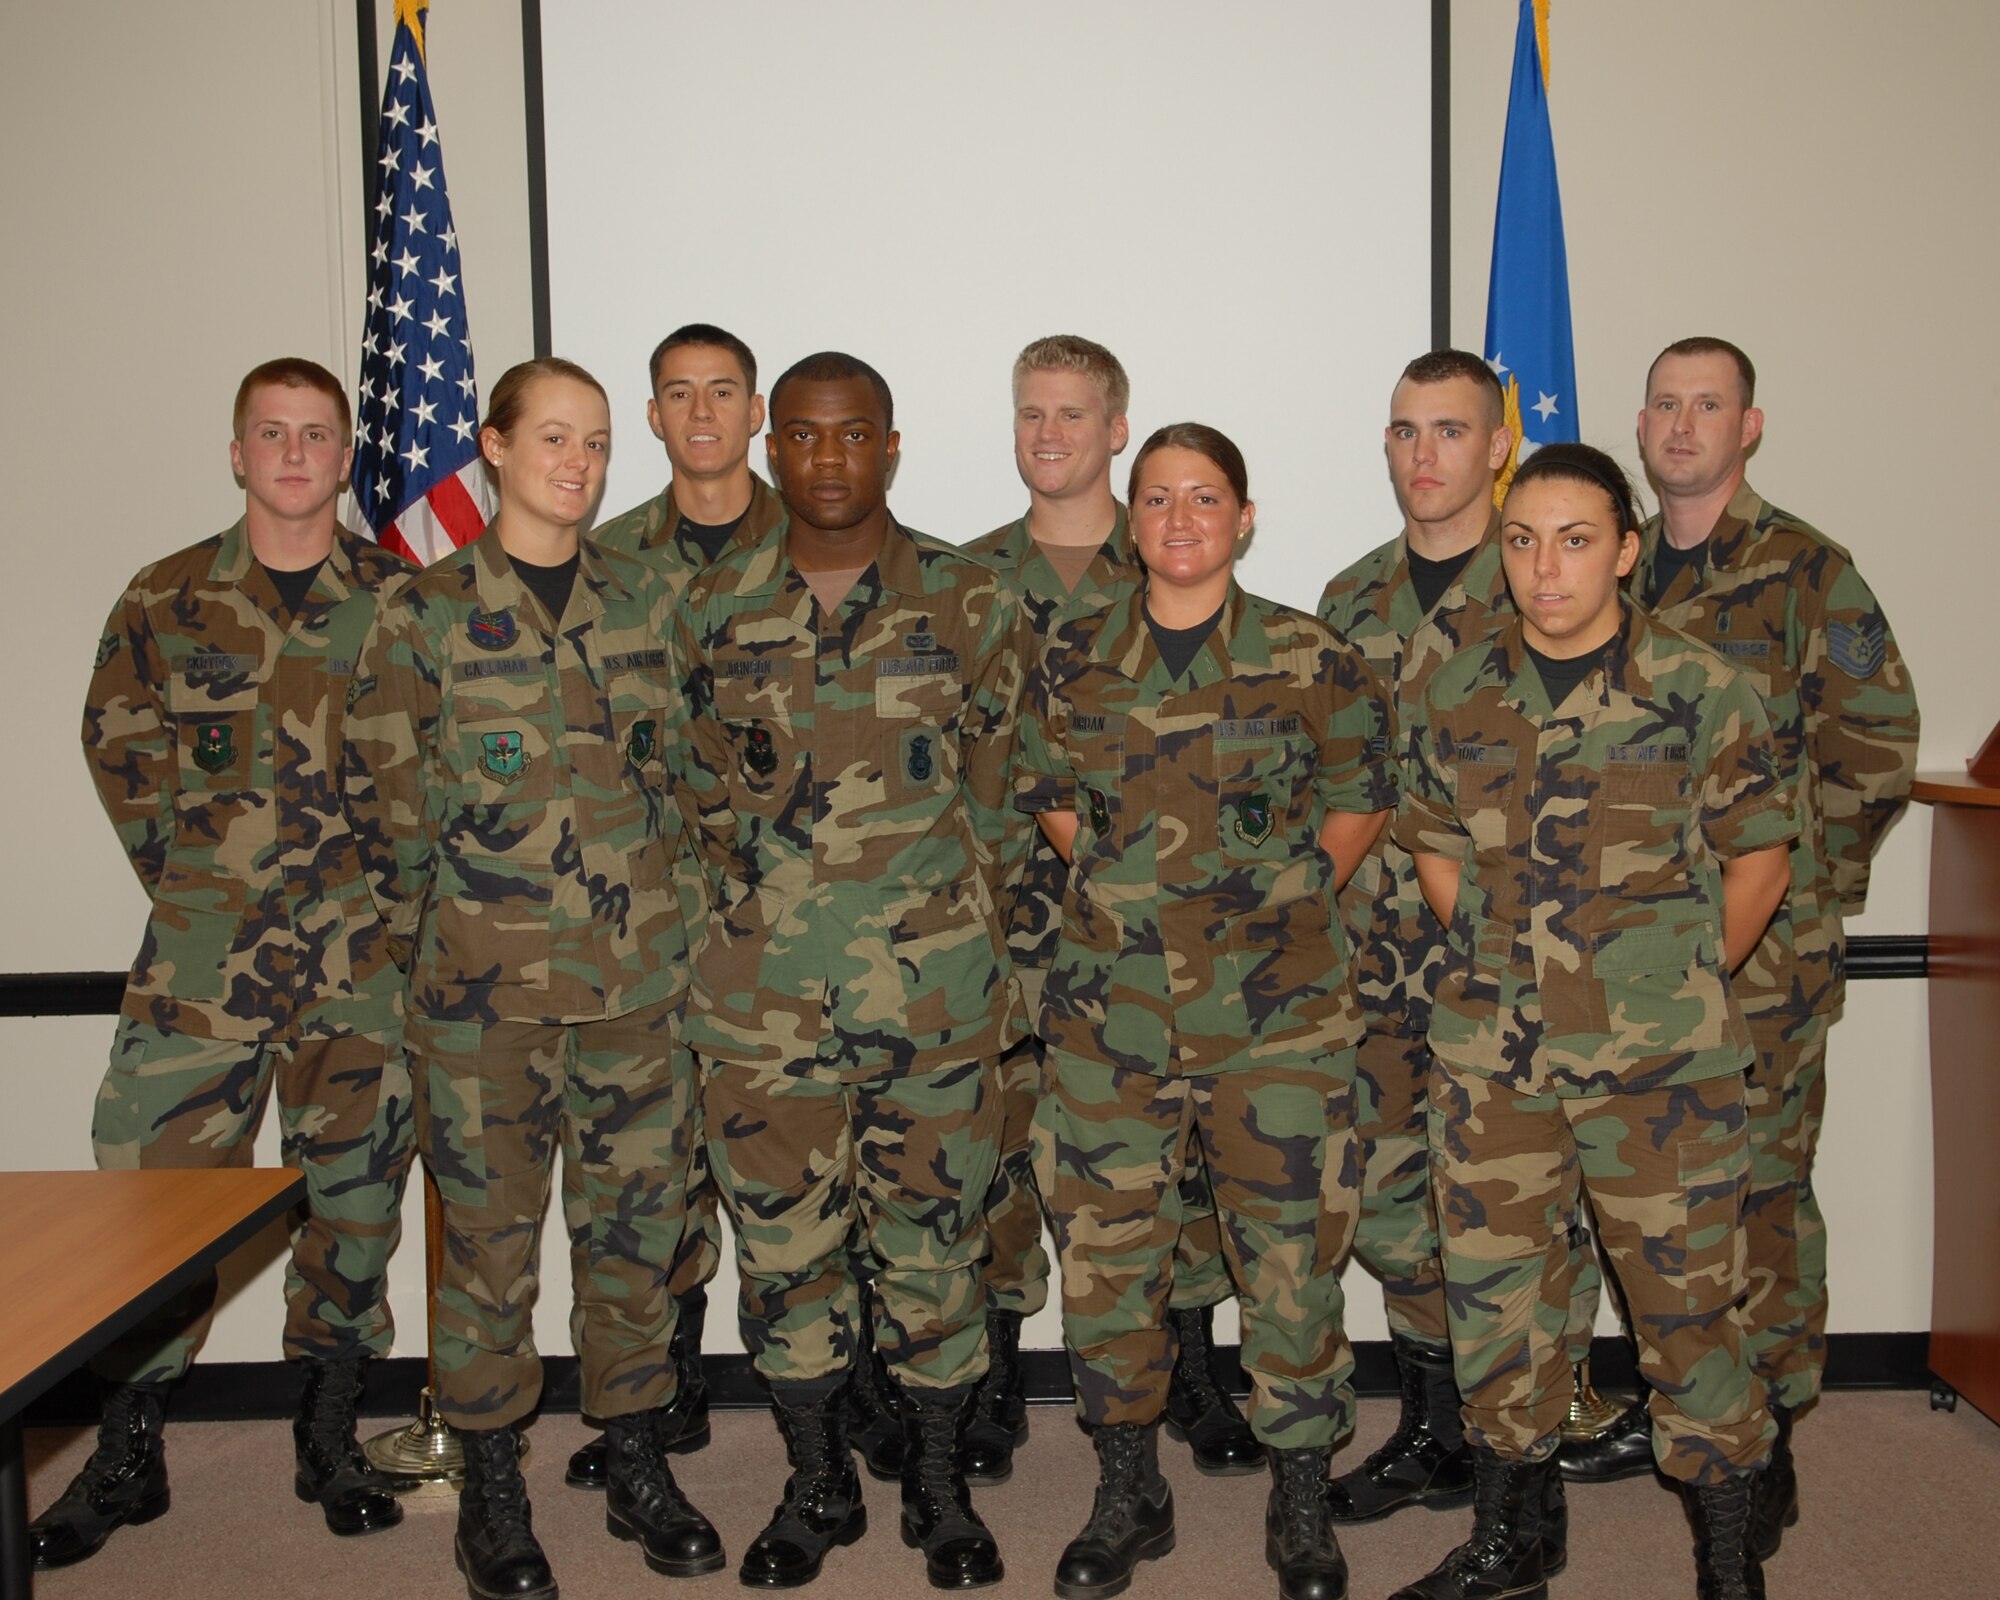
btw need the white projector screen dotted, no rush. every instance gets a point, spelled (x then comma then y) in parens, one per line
(1236, 199)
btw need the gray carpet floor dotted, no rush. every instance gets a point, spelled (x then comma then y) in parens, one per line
(1898, 1500)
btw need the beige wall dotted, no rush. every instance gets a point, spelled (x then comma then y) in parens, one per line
(1821, 194)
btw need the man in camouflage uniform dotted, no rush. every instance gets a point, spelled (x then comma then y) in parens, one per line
(211, 729)
(707, 412)
(1071, 556)
(1596, 812)
(504, 771)
(851, 691)
(1407, 606)
(1787, 608)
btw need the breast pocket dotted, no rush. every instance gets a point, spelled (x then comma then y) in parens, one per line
(501, 740)
(919, 716)
(1645, 810)
(1096, 744)
(1483, 791)
(220, 735)
(1263, 792)
(756, 714)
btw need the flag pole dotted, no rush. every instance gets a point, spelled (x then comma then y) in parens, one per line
(418, 488)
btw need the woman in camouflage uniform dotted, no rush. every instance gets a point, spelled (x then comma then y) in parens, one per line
(1203, 758)
(504, 774)
(1597, 816)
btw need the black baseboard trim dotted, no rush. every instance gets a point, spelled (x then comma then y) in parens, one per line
(226, 1391)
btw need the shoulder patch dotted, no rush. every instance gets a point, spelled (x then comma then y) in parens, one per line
(1857, 650)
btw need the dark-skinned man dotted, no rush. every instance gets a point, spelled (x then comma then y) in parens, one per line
(841, 755)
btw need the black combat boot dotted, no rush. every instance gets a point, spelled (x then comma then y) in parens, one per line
(822, 1505)
(1555, 1524)
(1299, 1542)
(643, 1503)
(125, 1479)
(333, 1471)
(1425, 1461)
(874, 1407)
(686, 1426)
(1199, 1410)
(999, 1424)
(1503, 1558)
(959, 1552)
(1725, 1567)
(1776, 1507)
(1131, 1517)
(1623, 1450)
(496, 1547)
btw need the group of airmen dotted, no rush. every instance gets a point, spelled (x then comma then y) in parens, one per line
(755, 851)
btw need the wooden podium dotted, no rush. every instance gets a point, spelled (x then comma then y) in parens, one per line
(1965, 1077)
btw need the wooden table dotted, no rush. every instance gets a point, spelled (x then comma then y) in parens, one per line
(84, 1256)
(1965, 1082)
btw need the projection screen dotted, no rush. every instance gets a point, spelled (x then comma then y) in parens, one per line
(1235, 199)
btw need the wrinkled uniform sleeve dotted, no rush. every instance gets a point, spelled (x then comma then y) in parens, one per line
(1042, 777)
(1357, 770)
(389, 767)
(1861, 728)
(989, 733)
(698, 758)
(1427, 819)
(125, 738)
(1746, 805)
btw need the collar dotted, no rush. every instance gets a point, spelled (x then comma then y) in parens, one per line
(1017, 544)
(500, 589)
(1125, 643)
(765, 512)
(1507, 662)
(236, 563)
(896, 569)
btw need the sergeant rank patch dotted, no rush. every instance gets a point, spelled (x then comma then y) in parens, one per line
(501, 754)
(107, 647)
(1857, 651)
(214, 746)
(1253, 819)
(492, 630)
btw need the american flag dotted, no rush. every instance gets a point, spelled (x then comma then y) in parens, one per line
(418, 481)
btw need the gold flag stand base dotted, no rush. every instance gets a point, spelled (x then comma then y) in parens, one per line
(1590, 1414)
(425, 1455)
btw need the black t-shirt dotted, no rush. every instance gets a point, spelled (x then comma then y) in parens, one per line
(294, 585)
(1179, 646)
(1561, 675)
(1431, 578)
(551, 584)
(710, 538)
(1669, 564)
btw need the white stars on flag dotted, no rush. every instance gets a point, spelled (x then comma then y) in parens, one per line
(417, 477)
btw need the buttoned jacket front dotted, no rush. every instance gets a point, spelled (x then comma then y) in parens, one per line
(212, 729)
(1197, 934)
(1584, 953)
(505, 773)
(844, 775)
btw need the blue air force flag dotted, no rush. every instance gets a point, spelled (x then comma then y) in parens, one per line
(418, 480)
(1527, 299)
